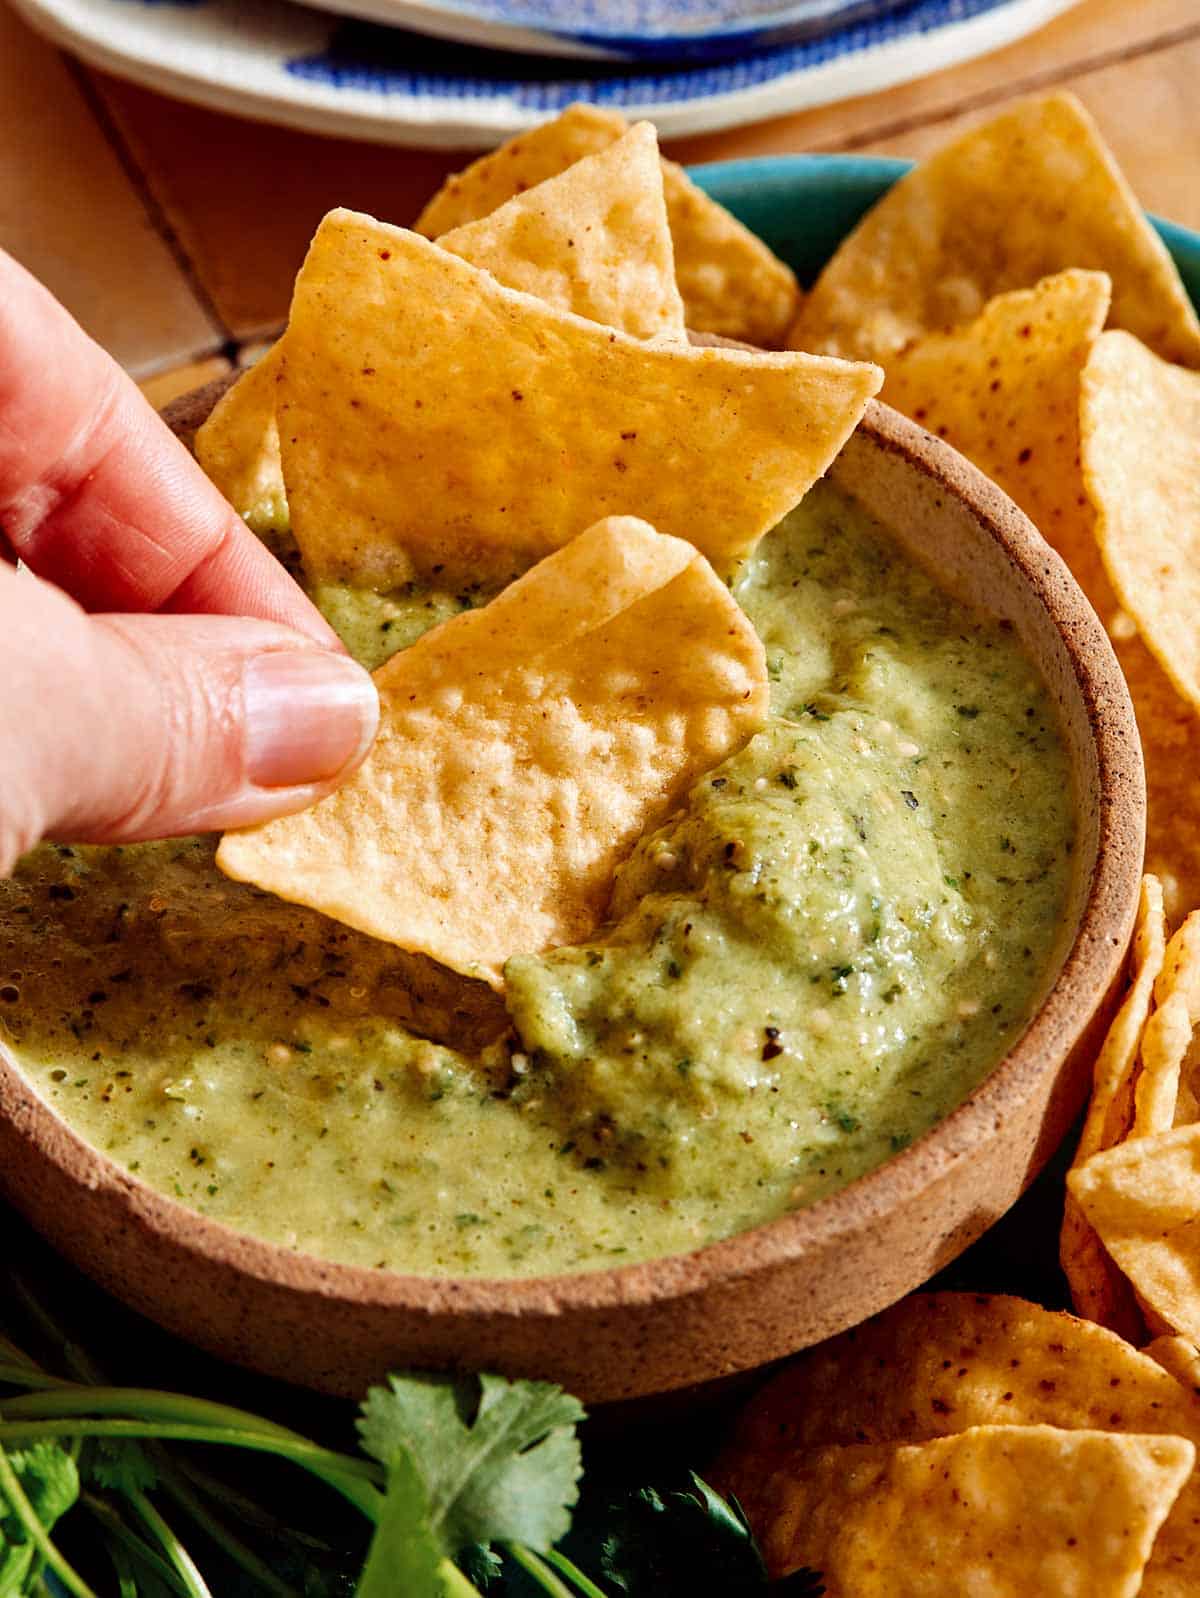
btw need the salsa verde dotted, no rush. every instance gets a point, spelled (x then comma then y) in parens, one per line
(805, 968)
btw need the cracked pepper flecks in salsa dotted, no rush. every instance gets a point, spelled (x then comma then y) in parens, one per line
(806, 968)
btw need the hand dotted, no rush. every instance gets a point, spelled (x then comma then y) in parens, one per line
(160, 673)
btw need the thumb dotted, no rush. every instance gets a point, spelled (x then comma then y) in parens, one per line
(120, 728)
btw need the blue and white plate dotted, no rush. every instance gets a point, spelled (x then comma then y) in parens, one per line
(664, 31)
(289, 64)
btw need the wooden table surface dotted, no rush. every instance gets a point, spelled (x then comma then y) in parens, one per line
(173, 233)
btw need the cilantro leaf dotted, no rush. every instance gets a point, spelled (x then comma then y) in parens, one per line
(664, 1544)
(403, 1557)
(499, 1460)
(50, 1482)
(482, 1565)
(121, 1466)
(48, 1479)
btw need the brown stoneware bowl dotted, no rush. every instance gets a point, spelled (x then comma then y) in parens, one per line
(652, 1328)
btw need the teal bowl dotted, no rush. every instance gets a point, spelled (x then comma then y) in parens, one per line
(804, 205)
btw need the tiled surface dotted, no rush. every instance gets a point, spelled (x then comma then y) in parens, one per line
(71, 213)
(174, 232)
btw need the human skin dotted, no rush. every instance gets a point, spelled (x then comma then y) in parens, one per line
(160, 673)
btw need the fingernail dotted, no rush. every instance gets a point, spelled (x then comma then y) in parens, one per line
(308, 715)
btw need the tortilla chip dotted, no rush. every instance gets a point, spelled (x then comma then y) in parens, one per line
(1005, 391)
(1187, 1105)
(1028, 193)
(1180, 1357)
(523, 750)
(994, 1512)
(1168, 1033)
(431, 418)
(1140, 433)
(939, 1363)
(520, 164)
(1143, 1198)
(1170, 730)
(1098, 1290)
(730, 281)
(593, 240)
(238, 445)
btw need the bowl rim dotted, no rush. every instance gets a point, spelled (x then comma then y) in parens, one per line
(1085, 975)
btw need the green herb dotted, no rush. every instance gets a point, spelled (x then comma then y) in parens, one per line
(679, 1544)
(459, 1478)
(499, 1464)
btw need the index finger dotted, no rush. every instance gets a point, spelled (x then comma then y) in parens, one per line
(99, 497)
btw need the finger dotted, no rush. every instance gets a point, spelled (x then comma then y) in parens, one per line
(99, 497)
(132, 727)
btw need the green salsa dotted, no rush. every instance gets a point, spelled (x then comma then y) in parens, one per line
(805, 968)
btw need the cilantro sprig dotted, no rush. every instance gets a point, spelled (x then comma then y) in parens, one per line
(458, 1481)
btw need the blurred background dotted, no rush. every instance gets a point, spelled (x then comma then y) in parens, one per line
(164, 162)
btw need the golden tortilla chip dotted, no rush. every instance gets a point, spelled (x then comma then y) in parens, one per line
(238, 445)
(1168, 1032)
(939, 1363)
(1004, 390)
(1180, 1357)
(994, 1512)
(520, 164)
(1187, 1105)
(1098, 1290)
(1170, 730)
(730, 281)
(1028, 193)
(1143, 1198)
(523, 749)
(430, 417)
(1140, 435)
(593, 240)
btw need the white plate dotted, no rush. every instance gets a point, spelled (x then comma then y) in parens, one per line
(288, 64)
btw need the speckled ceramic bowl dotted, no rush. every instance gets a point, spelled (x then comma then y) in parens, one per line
(655, 1327)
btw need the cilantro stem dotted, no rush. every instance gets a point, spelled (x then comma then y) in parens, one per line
(124, 1571)
(455, 1583)
(12, 1490)
(29, 1376)
(172, 1483)
(353, 1478)
(541, 1573)
(569, 1568)
(130, 1541)
(77, 1396)
(177, 1555)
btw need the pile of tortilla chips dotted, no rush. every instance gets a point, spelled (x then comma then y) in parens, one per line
(519, 399)
(1131, 1233)
(967, 1444)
